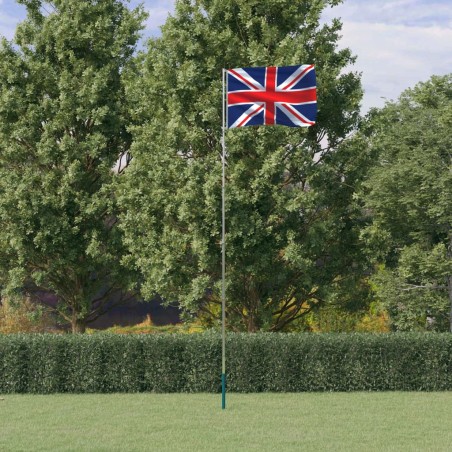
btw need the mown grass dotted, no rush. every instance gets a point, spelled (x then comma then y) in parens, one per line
(251, 422)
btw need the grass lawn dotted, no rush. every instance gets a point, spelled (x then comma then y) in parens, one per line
(391, 421)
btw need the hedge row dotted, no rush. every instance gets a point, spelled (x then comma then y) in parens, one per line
(255, 363)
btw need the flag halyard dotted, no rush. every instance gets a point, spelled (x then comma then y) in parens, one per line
(271, 95)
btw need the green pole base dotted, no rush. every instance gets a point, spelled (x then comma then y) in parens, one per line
(223, 391)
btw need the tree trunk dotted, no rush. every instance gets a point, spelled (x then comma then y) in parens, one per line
(251, 327)
(253, 303)
(252, 320)
(78, 325)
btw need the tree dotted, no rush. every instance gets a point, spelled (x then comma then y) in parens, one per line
(62, 127)
(292, 227)
(409, 195)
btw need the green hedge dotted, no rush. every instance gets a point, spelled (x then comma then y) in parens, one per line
(35, 363)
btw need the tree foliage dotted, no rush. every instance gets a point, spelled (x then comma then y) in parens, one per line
(292, 225)
(409, 194)
(62, 127)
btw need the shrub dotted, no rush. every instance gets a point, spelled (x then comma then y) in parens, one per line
(335, 319)
(23, 316)
(45, 363)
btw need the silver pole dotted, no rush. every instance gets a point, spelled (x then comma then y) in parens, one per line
(223, 256)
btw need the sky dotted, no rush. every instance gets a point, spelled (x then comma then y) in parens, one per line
(398, 43)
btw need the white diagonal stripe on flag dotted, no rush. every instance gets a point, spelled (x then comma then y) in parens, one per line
(295, 116)
(247, 115)
(296, 76)
(245, 78)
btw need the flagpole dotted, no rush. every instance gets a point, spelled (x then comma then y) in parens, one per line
(223, 255)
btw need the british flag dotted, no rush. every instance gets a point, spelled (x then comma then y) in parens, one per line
(271, 95)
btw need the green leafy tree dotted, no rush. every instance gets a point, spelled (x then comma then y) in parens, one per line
(291, 221)
(62, 128)
(409, 194)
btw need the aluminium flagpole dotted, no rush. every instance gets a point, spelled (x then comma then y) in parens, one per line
(223, 254)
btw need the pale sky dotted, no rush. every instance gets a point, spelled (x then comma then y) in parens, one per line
(398, 43)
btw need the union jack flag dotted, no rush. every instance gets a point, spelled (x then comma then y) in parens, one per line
(272, 95)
